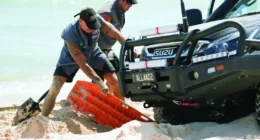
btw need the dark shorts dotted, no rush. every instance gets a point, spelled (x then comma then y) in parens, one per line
(61, 71)
(108, 67)
(111, 56)
(69, 71)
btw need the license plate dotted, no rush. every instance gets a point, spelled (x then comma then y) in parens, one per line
(144, 77)
(163, 52)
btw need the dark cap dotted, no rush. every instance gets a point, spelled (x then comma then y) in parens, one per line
(90, 17)
(132, 1)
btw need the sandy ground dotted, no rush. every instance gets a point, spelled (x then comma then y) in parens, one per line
(61, 121)
(66, 124)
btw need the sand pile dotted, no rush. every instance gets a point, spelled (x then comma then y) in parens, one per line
(134, 130)
(150, 131)
(61, 121)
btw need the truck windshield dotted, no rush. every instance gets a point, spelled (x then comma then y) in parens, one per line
(203, 5)
(243, 8)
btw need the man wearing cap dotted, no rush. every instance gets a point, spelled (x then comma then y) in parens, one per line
(80, 51)
(113, 11)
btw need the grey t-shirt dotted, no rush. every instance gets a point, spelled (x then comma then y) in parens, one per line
(73, 34)
(118, 20)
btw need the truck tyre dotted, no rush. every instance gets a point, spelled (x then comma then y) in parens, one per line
(257, 107)
(161, 115)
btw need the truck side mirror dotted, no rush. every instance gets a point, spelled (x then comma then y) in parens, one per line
(194, 16)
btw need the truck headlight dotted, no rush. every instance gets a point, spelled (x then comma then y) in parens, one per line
(224, 44)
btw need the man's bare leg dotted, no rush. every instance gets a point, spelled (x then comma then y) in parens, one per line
(49, 102)
(110, 88)
(112, 80)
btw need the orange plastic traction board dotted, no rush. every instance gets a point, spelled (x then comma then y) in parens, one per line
(106, 110)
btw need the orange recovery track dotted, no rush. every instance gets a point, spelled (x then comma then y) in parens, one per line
(106, 110)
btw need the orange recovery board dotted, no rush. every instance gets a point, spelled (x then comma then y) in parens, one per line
(106, 110)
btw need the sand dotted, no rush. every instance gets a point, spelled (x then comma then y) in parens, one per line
(63, 120)
(67, 124)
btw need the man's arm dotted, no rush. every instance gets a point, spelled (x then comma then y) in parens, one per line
(107, 27)
(80, 59)
(111, 31)
(106, 17)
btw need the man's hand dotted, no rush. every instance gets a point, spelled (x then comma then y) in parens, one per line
(80, 59)
(136, 54)
(102, 86)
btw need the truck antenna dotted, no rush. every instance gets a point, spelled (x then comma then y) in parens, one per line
(184, 18)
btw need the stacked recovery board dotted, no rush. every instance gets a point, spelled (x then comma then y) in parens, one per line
(106, 110)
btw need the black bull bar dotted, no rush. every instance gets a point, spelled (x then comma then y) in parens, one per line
(192, 36)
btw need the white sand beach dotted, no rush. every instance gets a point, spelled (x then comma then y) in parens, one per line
(66, 123)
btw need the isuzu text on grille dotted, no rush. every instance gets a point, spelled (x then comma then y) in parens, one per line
(163, 52)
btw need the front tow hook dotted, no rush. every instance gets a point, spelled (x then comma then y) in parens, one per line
(154, 87)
